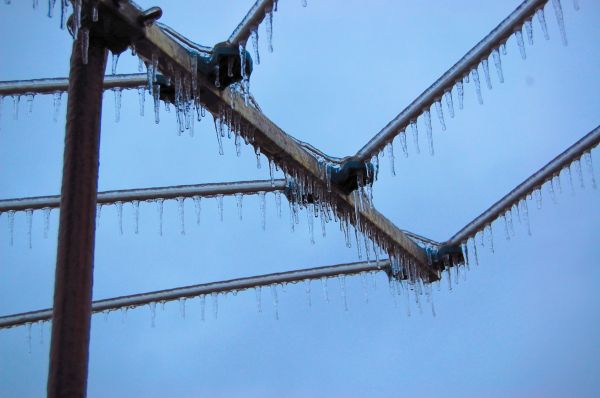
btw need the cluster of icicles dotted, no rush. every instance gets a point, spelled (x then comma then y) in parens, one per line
(448, 95)
(368, 282)
(519, 209)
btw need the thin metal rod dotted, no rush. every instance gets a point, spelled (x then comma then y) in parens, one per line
(251, 21)
(69, 347)
(130, 195)
(544, 174)
(445, 83)
(233, 285)
(61, 84)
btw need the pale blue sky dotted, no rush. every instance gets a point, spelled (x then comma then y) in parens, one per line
(525, 323)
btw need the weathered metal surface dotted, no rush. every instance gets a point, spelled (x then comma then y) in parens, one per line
(69, 347)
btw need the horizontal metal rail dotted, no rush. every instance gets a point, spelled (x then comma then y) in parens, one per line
(145, 194)
(61, 84)
(233, 285)
(251, 21)
(544, 174)
(445, 83)
(272, 141)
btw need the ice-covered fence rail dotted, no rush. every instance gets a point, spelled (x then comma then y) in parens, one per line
(546, 173)
(61, 84)
(174, 60)
(251, 21)
(233, 285)
(445, 83)
(145, 194)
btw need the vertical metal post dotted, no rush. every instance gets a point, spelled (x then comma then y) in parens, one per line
(71, 318)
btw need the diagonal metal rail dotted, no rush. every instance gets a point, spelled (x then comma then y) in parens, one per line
(148, 194)
(553, 168)
(273, 142)
(61, 84)
(444, 84)
(251, 21)
(233, 285)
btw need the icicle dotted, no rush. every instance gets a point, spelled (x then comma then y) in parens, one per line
(156, 98)
(461, 92)
(271, 172)
(220, 205)
(136, 215)
(486, 72)
(390, 150)
(311, 227)
(159, 204)
(120, 215)
(529, 30)
(257, 293)
(475, 251)
(98, 214)
(202, 307)
(51, 4)
(590, 167)
(239, 198)
(29, 337)
(142, 99)
(415, 131)
(363, 280)
(85, 43)
(506, 233)
(525, 212)
(560, 20)
(215, 302)
(325, 290)
(117, 91)
(16, 99)
(30, 98)
(263, 209)
(11, 226)
(182, 307)
(46, 211)
(503, 48)
(402, 139)
(538, 197)
(278, 203)
(570, 174)
(520, 43)
(449, 102)
(275, 301)
(342, 280)
(579, 172)
(198, 208)
(29, 214)
(269, 27)
(427, 118)
(181, 212)
(542, 21)
(440, 114)
(95, 12)
(254, 38)
(307, 290)
(475, 75)
(490, 236)
(153, 314)
(498, 64)
(551, 190)
(218, 132)
(115, 60)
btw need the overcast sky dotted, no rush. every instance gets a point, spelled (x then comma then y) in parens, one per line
(525, 322)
